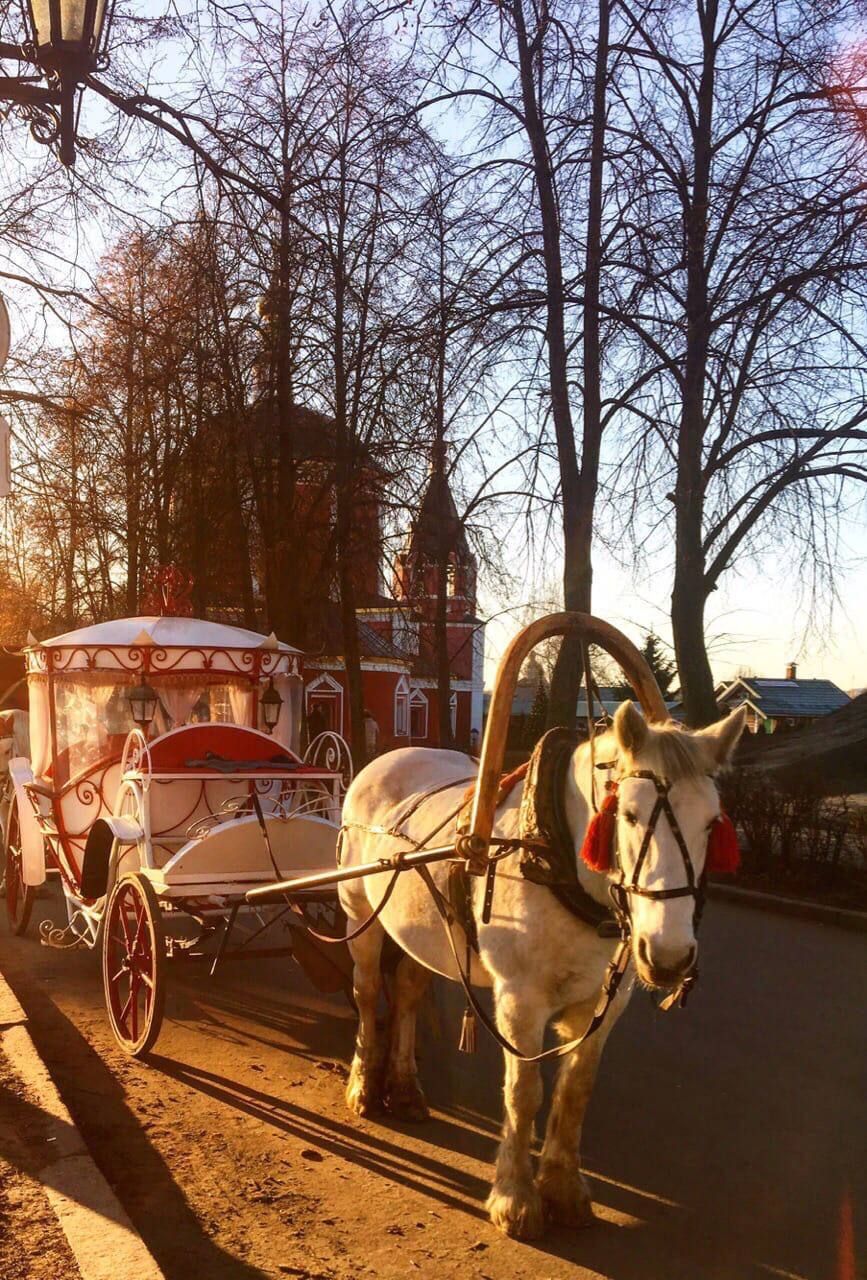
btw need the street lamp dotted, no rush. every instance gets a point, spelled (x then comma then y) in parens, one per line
(67, 39)
(271, 705)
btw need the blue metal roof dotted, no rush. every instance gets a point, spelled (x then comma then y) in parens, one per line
(788, 698)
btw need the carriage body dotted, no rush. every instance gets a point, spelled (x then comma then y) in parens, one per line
(179, 817)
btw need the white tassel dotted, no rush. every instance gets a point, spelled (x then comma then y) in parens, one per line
(467, 1042)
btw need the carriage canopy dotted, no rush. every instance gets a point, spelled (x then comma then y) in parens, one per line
(201, 671)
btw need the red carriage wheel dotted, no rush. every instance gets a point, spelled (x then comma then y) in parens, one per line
(134, 964)
(19, 896)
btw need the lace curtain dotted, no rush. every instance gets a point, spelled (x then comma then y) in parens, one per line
(179, 702)
(241, 702)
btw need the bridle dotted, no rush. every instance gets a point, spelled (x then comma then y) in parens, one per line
(621, 889)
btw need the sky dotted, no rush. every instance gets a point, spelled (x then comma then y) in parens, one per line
(756, 622)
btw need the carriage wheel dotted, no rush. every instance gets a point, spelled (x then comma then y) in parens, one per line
(134, 964)
(19, 896)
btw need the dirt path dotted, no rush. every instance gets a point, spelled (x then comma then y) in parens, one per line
(235, 1157)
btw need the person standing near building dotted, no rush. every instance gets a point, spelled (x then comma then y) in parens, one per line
(316, 723)
(371, 734)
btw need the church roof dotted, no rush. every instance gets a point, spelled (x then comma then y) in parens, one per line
(371, 643)
(437, 522)
(313, 435)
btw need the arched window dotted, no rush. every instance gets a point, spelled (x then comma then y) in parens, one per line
(401, 708)
(453, 713)
(418, 715)
(324, 702)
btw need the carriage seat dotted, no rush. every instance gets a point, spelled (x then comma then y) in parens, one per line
(198, 747)
(198, 776)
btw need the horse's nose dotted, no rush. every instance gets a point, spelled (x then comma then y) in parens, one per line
(662, 959)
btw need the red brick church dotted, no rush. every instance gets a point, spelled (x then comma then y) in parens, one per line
(396, 636)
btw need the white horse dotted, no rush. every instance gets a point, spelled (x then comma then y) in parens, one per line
(541, 961)
(14, 736)
(14, 741)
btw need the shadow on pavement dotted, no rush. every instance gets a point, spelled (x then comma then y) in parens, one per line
(160, 1214)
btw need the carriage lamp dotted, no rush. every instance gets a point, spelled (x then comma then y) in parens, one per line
(143, 704)
(271, 704)
(66, 42)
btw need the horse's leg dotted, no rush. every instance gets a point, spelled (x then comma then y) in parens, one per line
(565, 1194)
(515, 1205)
(403, 1095)
(364, 1088)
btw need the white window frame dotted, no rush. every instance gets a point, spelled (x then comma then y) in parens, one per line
(326, 684)
(453, 713)
(401, 708)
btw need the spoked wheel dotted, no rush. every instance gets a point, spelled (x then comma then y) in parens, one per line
(19, 896)
(134, 964)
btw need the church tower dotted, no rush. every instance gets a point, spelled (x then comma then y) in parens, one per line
(437, 531)
(438, 534)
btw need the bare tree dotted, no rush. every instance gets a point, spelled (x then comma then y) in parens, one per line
(749, 266)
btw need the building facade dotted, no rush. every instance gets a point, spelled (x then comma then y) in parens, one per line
(398, 640)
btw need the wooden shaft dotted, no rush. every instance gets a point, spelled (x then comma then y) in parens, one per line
(474, 845)
(322, 879)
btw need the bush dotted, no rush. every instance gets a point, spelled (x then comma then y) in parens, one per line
(792, 832)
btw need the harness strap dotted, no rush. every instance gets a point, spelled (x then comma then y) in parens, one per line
(591, 723)
(298, 909)
(395, 862)
(613, 977)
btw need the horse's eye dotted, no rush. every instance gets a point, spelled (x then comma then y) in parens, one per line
(630, 817)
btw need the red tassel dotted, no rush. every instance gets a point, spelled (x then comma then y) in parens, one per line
(596, 849)
(723, 853)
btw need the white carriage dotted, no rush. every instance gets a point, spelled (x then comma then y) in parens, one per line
(165, 781)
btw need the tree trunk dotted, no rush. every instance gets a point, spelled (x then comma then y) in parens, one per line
(577, 524)
(578, 488)
(441, 631)
(344, 500)
(282, 606)
(687, 619)
(690, 585)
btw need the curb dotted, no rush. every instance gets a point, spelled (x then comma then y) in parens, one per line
(103, 1241)
(855, 921)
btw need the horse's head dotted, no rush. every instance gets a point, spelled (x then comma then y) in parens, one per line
(667, 811)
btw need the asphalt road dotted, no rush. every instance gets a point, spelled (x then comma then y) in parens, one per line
(724, 1141)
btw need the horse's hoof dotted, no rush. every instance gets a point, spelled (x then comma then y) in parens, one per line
(565, 1197)
(518, 1214)
(405, 1101)
(364, 1092)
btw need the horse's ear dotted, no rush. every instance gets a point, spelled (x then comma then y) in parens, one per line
(630, 727)
(723, 737)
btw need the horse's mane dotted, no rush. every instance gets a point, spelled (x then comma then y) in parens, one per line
(672, 752)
